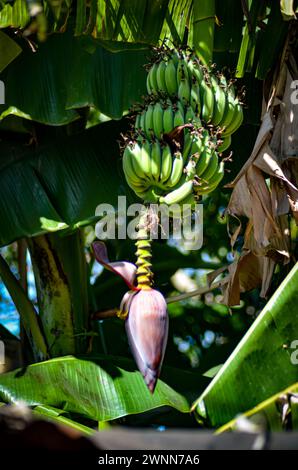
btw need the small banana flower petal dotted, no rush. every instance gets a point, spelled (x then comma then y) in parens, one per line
(147, 331)
(123, 269)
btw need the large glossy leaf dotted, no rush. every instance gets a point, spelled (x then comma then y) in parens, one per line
(261, 364)
(277, 413)
(67, 73)
(147, 21)
(59, 183)
(95, 389)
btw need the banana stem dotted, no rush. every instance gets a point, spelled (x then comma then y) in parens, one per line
(144, 253)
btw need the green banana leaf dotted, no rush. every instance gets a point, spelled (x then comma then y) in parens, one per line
(9, 50)
(67, 73)
(147, 21)
(63, 180)
(261, 365)
(276, 414)
(91, 388)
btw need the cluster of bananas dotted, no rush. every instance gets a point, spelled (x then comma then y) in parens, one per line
(157, 175)
(211, 97)
(182, 94)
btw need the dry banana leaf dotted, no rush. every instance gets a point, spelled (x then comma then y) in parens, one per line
(274, 159)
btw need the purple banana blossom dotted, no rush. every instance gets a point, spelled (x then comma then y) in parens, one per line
(146, 319)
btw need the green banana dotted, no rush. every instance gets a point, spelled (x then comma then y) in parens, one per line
(168, 118)
(229, 112)
(137, 161)
(211, 168)
(219, 102)
(195, 98)
(130, 175)
(171, 78)
(146, 157)
(178, 118)
(203, 160)
(207, 100)
(197, 145)
(214, 182)
(189, 115)
(166, 163)
(182, 73)
(226, 142)
(152, 79)
(236, 120)
(158, 119)
(177, 170)
(197, 71)
(187, 145)
(177, 195)
(160, 76)
(149, 120)
(184, 92)
(155, 160)
(142, 120)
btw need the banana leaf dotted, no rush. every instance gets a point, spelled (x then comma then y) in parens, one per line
(147, 21)
(63, 179)
(90, 388)
(67, 73)
(275, 414)
(261, 364)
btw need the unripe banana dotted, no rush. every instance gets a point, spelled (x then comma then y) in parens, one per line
(187, 145)
(211, 168)
(197, 145)
(168, 118)
(178, 118)
(177, 195)
(182, 73)
(229, 112)
(152, 79)
(155, 160)
(236, 120)
(136, 158)
(207, 101)
(158, 119)
(177, 170)
(149, 121)
(189, 115)
(137, 122)
(198, 71)
(160, 76)
(203, 161)
(217, 177)
(195, 98)
(142, 121)
(166, 163)
(225, 144)
(184, 92)
(219, 102)
(146, 157)
(171, 78)
(130, 175)
(148, 84)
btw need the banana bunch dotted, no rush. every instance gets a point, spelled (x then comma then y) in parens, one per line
(180, 74)
(162, 116)
(158, 165)
(157, 175)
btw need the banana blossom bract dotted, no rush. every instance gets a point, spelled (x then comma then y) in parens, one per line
(146, 316)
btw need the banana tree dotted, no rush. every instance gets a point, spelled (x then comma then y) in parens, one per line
(61, 160)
